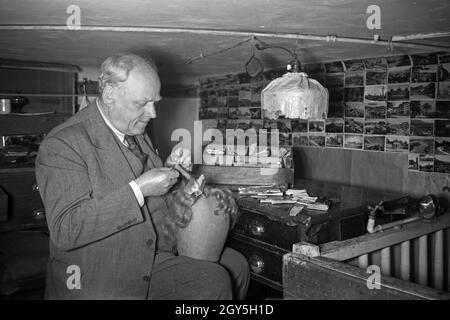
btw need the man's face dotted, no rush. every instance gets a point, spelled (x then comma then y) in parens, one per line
(134, 101)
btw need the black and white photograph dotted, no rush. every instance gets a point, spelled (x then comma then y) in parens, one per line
(424, 59)
(334, 140)
(354, 94)
(398, 92)
(298, 125)
(316, 126)
(354, 65)
(354, 109)
(426, 163)
(334, 80)
(353, 141)
(336, 94)
(375, 93)
(374, 143)
(442, 128)
(375, 110)
(376, 77)
(354, 79)
(442, 164)
(398, 127)
(334, 67)
(422, 127)
(299, 139)
(335, 109)
(334, 126)
(424, 74)
(442, 146)
(399, 75)
(375, 63)
(354, 125)
(398, 61)
(444, 72)
(251, 152)
(375, 127)
(421, 145)
(443, 109)
(413, 161)
(423, 109)
(397, 144)
(284, 125)
(316, 140)
(423, 91)
(444, 90)
(398, 109)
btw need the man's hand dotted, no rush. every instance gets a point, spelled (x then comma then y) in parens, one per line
(157, 181)
(181, 156)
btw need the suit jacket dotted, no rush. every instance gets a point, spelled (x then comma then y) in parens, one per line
(94, 218)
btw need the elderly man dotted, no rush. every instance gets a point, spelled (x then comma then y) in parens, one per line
(104, 187)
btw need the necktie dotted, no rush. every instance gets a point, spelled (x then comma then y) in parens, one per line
(136, 150)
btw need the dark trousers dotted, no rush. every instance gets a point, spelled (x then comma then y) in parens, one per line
(183, 278)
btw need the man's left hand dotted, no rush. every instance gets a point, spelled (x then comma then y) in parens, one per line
(181, 156)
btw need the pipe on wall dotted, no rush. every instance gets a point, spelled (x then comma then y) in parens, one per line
(395, 40)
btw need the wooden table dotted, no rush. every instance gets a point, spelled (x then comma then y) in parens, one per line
(264, 232)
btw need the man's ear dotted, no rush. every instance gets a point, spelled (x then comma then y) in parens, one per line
(108, 94)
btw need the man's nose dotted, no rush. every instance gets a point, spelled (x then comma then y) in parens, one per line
(150, 110)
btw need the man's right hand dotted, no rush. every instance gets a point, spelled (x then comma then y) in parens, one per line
(157, 181)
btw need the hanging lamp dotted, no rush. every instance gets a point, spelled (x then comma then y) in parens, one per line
(293, 95)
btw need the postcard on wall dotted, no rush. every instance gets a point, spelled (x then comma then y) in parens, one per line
(354, 79)
(335, 110)
(353, 141)
(413, 161)
(426, 163)
(398, 61)
(375, 127)
(334, 80)
(300, 139)
(443, 109)
(376, 77)
(398, 109)
(316, 126)
(399, 75)
(442, 128)
(444, 90)
(421, 145)
(316, 140)
(374, 143)
(423, 109)
(375, 93)
(375, 110)
(398, 92)
(423, 91)
(399, 127)
(424, 59)
(426, 73)
(354, 65)
(444, 72)
(354, 94)
(334, 140)
(354, 125)
(334, 126)
(299, 125)
(334, 67)
(375, 63)
(397, 144)
(442, 163)
(422, 127)
(336, 94)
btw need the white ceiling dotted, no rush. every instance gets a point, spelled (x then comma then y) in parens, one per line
(346, 18)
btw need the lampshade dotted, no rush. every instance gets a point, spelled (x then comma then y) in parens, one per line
(295, 95)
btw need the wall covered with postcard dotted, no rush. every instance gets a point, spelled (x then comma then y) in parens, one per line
(388, 104)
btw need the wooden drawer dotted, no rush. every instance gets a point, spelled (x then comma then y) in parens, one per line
(265, 261)
(23, 196)
(262, 228)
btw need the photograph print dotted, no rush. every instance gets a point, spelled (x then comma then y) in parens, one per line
(334, 140)
(397, 144)
(398, 109)
(422, 91)
(398, 92)
(421, 145)
(422, 127)
(399, 75)
(423, 109)
(374, 143)
(375, 93)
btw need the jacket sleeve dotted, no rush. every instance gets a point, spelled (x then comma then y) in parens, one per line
(74, 217)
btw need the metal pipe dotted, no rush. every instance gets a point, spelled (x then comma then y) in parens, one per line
(395, 40)
(439, 260)
(423, 260)
(405, 267)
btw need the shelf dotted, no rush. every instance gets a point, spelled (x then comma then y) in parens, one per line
(14, 124)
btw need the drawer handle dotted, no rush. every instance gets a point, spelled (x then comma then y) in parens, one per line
(35, 187)
(256, 229)
(39, 214)
(256, 263)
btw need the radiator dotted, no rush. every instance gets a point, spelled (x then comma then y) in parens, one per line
(424, 260)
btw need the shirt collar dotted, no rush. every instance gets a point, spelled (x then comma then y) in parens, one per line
(119, 134)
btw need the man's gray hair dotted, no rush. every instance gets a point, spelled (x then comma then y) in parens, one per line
(116, 68)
